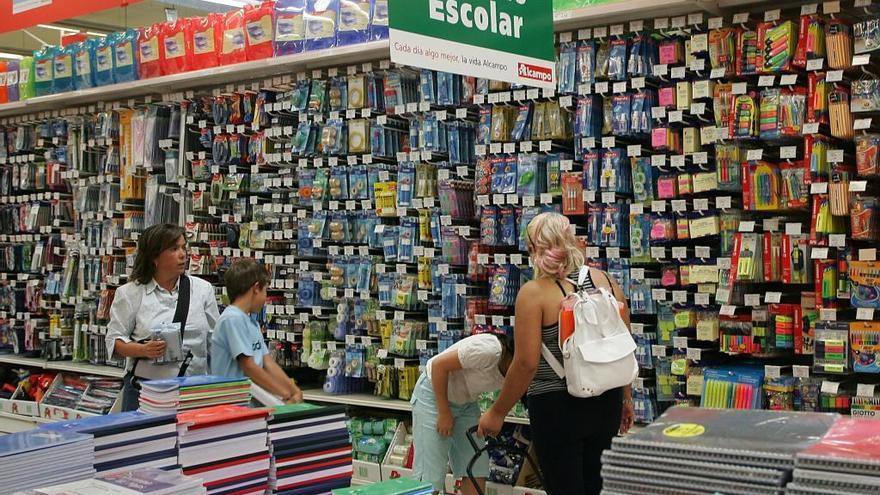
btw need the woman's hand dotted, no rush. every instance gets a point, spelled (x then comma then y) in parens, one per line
(153, 349)
(296, 397)
(445, 423)
(490, 424)
(627, 417)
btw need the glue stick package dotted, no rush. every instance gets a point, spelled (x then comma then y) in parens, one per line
(232, 51)
(178, 53)
(205, 38)
(290, 26)
(104, 61)
(321, 16)
(259, 26)
(379, 20)
(124, 59)
(26, 78)
(12, 77)
(44, 71)
(84, 64)
(354, 22)
(150, 51)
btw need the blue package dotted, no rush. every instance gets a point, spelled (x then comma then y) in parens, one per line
(124, 49)
(353, 26)
(104, 60)
(44, 71)
(12, 80)
(84, 64)
(592, 170)
(507, 226)
(62, 59)
(586, 62)
(379, 20)
(320, 21)
(290, 26)
(567, 67)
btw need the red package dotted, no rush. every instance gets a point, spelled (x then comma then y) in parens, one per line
(4, 94)
(232, 50)
(204, 38)
(259, 25)
(151, 51)
(178, 53)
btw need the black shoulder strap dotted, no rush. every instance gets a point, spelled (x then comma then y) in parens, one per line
(184, 293)
(561, 288)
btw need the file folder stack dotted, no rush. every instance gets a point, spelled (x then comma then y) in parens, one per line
(691, 450)
(128, 441)
(845, 461)
(35, 458)
(192, 392)
(227, 447)
(311, 449)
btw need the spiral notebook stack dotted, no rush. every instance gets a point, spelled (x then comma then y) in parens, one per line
(705, 451)
(192, 392)
(311, 449)
(147, 481)
(36, 458)
(128, 441)
(227, 447)
(846, 461)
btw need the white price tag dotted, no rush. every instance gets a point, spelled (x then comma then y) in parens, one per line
(865, 314)
(858, 186)
(772, 297)
(815, 64)
(819, 253)
(868, 254)
(658, 350)
(772, 15)
(862, 124)
(865, 390)
(800, 371)
(727, 310)
(829, 387)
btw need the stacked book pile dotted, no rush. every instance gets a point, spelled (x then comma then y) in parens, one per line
(147, 481)
(846, 461)
(128, 441)
(399, 486)
(35, 458)
(311, 449)
(697, 451)
(192, 392)
(227, 447)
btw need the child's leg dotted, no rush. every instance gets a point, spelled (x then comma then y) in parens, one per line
(462, 452)
(431, 459)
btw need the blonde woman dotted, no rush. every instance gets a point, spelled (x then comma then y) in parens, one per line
(569, 433)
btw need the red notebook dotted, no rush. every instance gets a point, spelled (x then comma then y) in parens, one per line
(212, 416)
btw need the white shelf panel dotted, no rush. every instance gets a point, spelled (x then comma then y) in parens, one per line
(371, 401)
(14, 423)
(212, 77)
(70, 366)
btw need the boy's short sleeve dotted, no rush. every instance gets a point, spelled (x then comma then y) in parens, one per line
(233, 333)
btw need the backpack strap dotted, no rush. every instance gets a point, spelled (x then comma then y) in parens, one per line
(554, 363)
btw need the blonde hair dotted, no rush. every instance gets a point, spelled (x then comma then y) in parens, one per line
(556, 252)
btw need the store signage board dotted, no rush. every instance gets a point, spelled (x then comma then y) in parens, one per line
(22, 14)
(504, 40)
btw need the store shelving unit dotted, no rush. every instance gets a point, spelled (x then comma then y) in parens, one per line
(69, 366)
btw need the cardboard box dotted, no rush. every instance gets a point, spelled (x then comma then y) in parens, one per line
(521, 490)
(366, 472)
(390, 471)
(58, 413)
(19, 404)
(498, 489)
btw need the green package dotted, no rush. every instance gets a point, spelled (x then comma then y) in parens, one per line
(26, 78)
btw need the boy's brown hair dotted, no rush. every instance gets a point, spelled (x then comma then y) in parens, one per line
(242, 275)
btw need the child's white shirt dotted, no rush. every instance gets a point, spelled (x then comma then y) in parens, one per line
(479, 356)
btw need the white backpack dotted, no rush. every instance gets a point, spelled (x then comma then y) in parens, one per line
(600, 354)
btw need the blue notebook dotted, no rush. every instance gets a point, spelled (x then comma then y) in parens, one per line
(28, 441)
(110, 424)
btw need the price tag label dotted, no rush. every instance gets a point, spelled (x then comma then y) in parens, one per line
(828, 314)
(865, 390)
(829, 387)
(793, 228)
(658, 206)
(800, 371)
(858, 186)
(752, 300)
(815, 64)
(773, 297)
(772, 15)
(819, 253)
(865, 314)
(661, 70)
(868, 254)
(676, 116)
(658, 252)
(658, 350)
(739, 88)
(747, 226)
(701, 299)
(679, 296)
(716, 22)
(679, 252)
(772, 372)
(727, 310)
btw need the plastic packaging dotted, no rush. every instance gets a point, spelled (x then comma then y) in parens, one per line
(205, 37)
(354, 22)
(320, 19)
(124, 59)
(4, 92)
(232, 50)
(12, 80)
(26, 78)
(104, 61)
(289, 26)
(379, 20)
(84, 64)
(151, 51)
(259, 26)
(44, 71)
(64, 71)
(177, 51)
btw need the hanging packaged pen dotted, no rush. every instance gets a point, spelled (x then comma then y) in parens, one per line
(573, 194)
(811, 40)
(747, 52)
(722, 49)
(586, 62)
(589, 119)
(722, 104)
(671, 51)
(776, 46)
(567, 68)
(839, 113)
(522, 128)
(642, 179)
(765, 186)
(868, 155)
(640, 119)
(838, 191)
(839, 41)
(528, 175)
(592, 170)
(744, 113)
(865, 218)
(795, 193)
(603, 51)
(617, 60)
(770, 113)
(622, 112)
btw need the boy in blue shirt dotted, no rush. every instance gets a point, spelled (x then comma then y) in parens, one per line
(237, 345)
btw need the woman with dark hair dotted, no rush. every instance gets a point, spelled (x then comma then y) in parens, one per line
(161, 319)
(445, 407)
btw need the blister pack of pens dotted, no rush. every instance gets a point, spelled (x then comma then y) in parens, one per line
(776, 46)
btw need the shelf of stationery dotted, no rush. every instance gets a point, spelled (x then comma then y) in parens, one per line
(83, 368)
(373, 402)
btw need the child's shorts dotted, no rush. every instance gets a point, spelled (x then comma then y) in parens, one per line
(433, 452)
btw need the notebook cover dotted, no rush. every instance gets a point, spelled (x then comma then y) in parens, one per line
(15, 444)
(849, 443)
(216, 415)
(111, 424)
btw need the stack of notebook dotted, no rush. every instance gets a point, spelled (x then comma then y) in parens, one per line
(192, 392)
(128, 441)
(227, 447)
(311, 449)
(35, 458)
(147, 481)
(399, 486)
(692, 450)
(845, 461)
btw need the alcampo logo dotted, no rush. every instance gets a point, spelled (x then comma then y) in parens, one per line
(535, 72)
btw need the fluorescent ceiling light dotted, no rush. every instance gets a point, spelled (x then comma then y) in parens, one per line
(92, 33)
(231, 3)
(57, 28)
(11, 56)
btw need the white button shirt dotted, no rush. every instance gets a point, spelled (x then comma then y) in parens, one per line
(137, 309)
